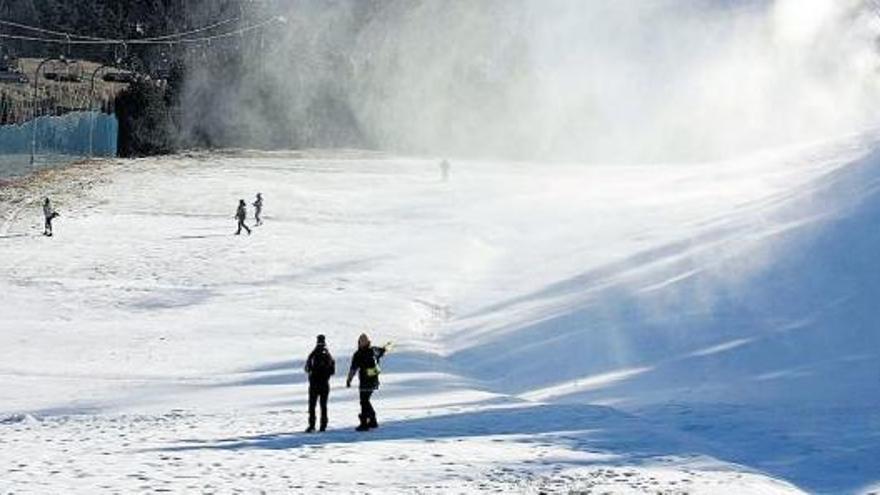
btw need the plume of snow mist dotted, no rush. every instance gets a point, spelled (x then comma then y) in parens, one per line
(590, 80)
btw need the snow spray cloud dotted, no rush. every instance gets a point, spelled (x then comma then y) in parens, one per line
(588, 80)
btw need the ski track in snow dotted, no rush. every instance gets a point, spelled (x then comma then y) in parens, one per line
(146, 349)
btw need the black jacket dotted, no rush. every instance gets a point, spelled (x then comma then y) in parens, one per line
(320, 365)
(366, 361)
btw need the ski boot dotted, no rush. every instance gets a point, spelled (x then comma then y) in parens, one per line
(364, 426)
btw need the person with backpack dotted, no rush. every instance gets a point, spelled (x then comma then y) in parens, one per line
(241, 216)
(49, 214)
(320, 366)
(258, 210)
(365, 363)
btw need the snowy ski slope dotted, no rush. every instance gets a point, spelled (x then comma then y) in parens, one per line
(701, 328)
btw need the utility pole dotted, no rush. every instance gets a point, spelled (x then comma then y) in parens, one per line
(2, 14)
(34, 105)
(92, 107)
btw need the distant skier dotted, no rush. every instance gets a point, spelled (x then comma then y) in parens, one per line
(49, 214)
(241, 216)
(320, 366)
(258, 210)
(365, 362)
(444, 170)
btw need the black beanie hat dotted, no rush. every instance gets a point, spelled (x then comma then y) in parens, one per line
(321, 339)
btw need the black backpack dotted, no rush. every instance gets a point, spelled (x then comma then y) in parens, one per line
(323, 365)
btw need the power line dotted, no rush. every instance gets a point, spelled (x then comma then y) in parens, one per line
(163, 40)
(237, 32)
(41, 40)
(50, 32)
(78, 39)
(194, 31)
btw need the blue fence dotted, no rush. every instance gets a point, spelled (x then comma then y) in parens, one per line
(60, 140)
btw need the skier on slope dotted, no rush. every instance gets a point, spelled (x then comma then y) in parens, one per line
(241, 216)
(444, 170)
(49, 214)
(365, 362)
(258, 210)
(320, 366)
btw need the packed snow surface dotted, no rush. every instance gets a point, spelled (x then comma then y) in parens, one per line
(666, 328)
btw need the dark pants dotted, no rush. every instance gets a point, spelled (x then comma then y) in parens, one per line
(318, 392)
(241, 225)
(368, 414)
(48, 227)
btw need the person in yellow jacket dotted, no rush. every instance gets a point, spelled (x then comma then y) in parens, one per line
(365, 363)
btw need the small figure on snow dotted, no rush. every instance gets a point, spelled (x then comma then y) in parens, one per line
(49, 214)
(258, 210)
(444, 169)
(320, 366)
(241, 216)
(365, 362)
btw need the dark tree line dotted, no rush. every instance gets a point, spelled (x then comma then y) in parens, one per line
(120, 18)
(149, 116)
(149, 111)
(113, 19)
(185, 95)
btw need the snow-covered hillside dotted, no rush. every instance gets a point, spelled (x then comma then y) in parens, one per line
(696, 328)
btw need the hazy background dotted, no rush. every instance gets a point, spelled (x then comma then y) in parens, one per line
(583, 80)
